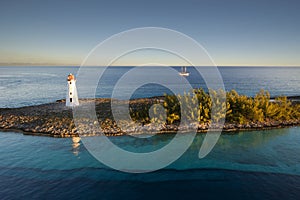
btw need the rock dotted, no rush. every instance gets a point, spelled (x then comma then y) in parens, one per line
(56, 120)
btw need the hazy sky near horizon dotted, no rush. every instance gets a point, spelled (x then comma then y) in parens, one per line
(234, 32)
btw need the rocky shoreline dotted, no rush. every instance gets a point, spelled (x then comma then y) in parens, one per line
(56, 120)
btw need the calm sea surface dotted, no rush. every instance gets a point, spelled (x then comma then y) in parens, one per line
(22, 86)
(247, 165)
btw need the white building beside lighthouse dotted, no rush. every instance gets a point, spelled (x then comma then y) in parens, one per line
(72, 97)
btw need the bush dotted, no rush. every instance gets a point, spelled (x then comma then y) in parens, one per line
(238, 108)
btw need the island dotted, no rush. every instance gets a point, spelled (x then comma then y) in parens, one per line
(241, 113)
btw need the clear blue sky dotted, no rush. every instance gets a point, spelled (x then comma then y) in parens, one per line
(253, 32)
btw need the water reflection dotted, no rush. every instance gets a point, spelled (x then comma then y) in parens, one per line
(264, 151)
(245, 139)
(274, 150)
(76, 145)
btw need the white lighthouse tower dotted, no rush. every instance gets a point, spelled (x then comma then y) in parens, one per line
(72, 97)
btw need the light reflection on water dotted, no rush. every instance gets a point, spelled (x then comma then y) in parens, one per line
(261, 164)
(266, 151)
(246, 162)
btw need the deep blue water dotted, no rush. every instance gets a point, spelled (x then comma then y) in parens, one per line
(22, 86)
(247, 165)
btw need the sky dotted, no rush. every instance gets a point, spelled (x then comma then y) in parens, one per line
(233, 32)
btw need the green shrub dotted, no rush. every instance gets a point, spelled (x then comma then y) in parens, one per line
(197, 107)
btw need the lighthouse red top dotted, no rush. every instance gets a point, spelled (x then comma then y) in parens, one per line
(71, 77)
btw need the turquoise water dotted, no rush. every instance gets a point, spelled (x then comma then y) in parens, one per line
(249, 165)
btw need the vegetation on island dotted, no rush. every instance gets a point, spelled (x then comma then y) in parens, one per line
(157, 115)
(239, 109)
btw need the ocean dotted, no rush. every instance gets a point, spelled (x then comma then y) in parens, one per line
(23, 86)
(244, 165)
(247, 165)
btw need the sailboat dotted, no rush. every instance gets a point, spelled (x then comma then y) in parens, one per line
(184, 72)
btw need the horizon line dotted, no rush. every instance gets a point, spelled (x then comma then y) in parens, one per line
(70, 65)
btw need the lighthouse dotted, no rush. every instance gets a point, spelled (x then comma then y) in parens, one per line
(72, 97)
